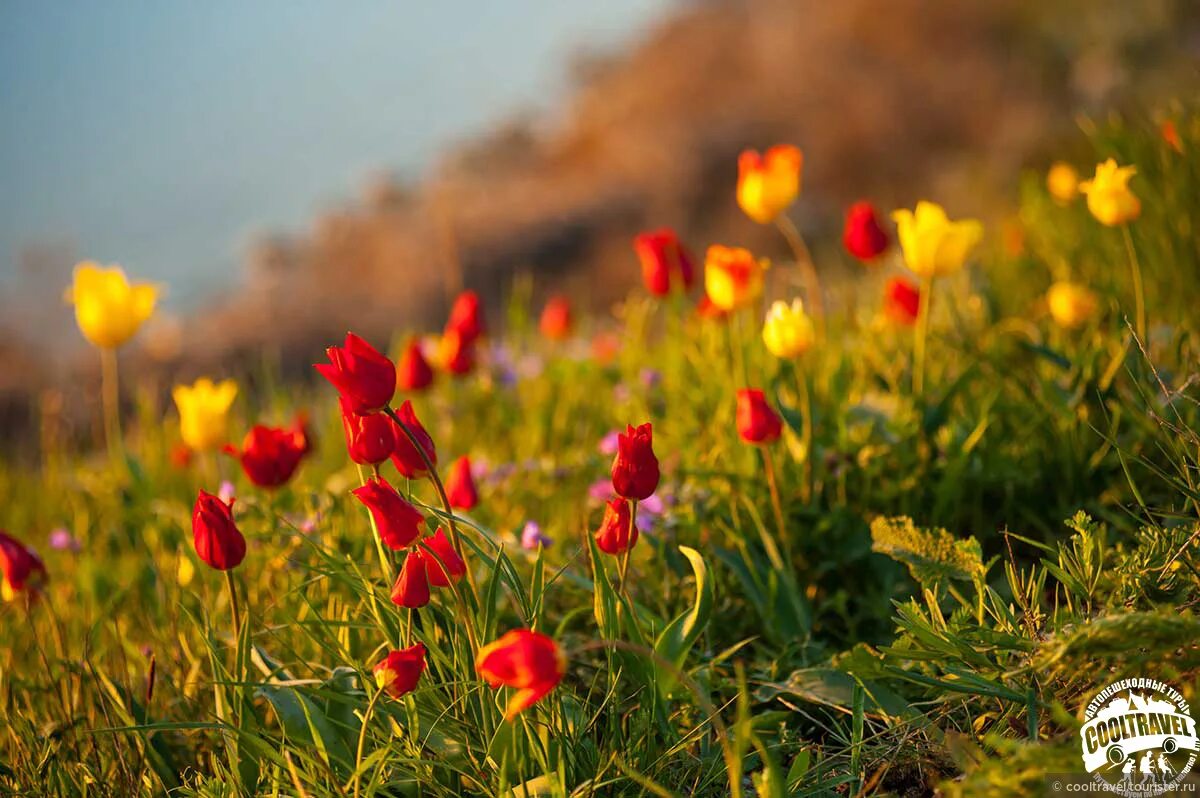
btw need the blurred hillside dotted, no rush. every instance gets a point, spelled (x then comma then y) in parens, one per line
(891, 101)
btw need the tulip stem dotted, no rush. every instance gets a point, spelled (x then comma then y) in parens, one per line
(111, 398)
(408, 627)
(924, 308)
(776, 503)
(362, 736)
(1139, 298)
(806, 432)
(629, 547)
(233, 604)
(808, 270)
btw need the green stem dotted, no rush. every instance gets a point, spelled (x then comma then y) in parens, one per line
(776, 504)
(629, 548)
(808, 271)
(362, 736)
(1139, 298)
(110, 391)
(922, 332)
(806, 432)
(233, 604)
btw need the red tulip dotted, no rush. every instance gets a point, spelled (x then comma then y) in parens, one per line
(412, 371)
(400, 670)
(616, 533)
(369, 439)
(460, 485)
(269, 455)
(407, 458)
(527, 661)
(863, 237)
(707, 309)
(756, 421)
(557, 319)
(303, 430)
(466, 317)
(399, 523)
(180, 456)
(438, 547)
(217, 539)
(21, 570)
(635, 469)
(361, 374)
(901, 301)
(412, 586)
(662, 256)
(457, 352)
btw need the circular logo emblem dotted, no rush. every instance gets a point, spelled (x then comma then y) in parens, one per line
(1138, 737)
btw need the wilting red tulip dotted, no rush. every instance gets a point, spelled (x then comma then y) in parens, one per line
(413, 372)
(901, 301)
(369, 439)
(756, 421)
(527, 661)
(615, 534)
(21, 570)
(456, 352)
(557, 320)
(407, 458)
(460, 485)
(398, 522)
(635, 469)
(466, 317)
(863, 237)
(365, 377)
(438, 547)
(217, 539)
(412, 586)
(400, 670)
(269, 455)
(662, 256)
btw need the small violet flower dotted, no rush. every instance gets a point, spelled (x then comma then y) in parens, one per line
(532, 537)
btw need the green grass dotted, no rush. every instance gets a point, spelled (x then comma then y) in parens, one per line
(969, 567)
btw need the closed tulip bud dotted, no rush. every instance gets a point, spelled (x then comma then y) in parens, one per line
(901, 301)
(557, 320)
(1062, 181)
(1108, 195)
(466, 317)
(768, 183)
(441, 560)
(757, 422)
(204, 412)
(527, 661)
(663, 257)
(616, 533)
(217, 539)
(398, 673)
(407, 458)
(933, 245)
(788, 331)
(863, 237)
(460, 485)
(369, 439)
(1071, 305)
(456, 352)
(108, 308)
(399, 523)
(361, 374)
(270, 455)
(412, 586)
(733, 278)
(21, 570)
(635, 469)
(413, 372)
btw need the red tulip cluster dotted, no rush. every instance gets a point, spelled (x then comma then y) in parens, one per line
(635, 476)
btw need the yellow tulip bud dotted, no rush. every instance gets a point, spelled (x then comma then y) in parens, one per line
(932, 244)
(788, 331)
(108, 308)
(1062, 181)
(204, 412)
(1108, 195)
(1071, 305)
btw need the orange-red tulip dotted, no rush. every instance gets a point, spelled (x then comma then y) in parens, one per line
(616, 533)
(662, 256)
(399, 523)
(438, 547)
(400, 670)
(460, 485)
(527, 661)
(270, 455)
(768, 183)
(557, 320)
(466, 317)
(863, 237)
(369, 439)
(21, 570)
(407, 458)
(756, 421)
(412, 586)
(901, 301)
(635, 469)
(413, 372)
(217, 539)
(456, 352)
(362, 375)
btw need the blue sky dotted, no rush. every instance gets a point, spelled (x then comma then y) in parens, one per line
(161, 135)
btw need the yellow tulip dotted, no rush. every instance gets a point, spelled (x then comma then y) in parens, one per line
(788, 331)
(108, 308)
(1108, 195)
(732, 277)
(204, 412)
(1062, 181)
(1071, 305)
(768, 183)
(933, 245)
